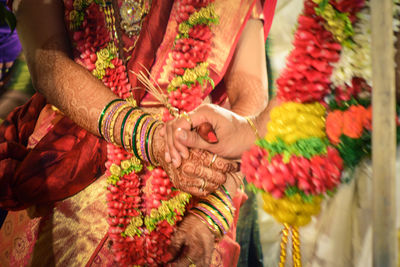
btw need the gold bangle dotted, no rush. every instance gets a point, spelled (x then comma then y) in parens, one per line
(216, 213)
(222, 208)
(150, 144)
(208, 222)
(220, 205)
(104, 118)
(253, 126)
(129, 129)
(224, 199)
(114, 120)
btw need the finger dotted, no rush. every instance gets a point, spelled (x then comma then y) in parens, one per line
(193, 139)
(182, 149)
(221, 164)
(167, 154)
(211, 176)
(207, 133)
(162, 130)
(177, 243)
(177, 125)
(198, 186)
(175, 157)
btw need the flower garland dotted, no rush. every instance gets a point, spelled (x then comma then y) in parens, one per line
(325, 121)
(190, 81)
(143, 208)
(295, 165)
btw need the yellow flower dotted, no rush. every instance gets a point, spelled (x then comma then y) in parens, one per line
(189, 76)
(103, 54)
(177, 81)
(201, 70)
(100, 64)
(135, 161)
(163, 210)
(194, 17)
(154, 213)
(125, 164)
(115, 170)
(130, 230)
(137, 221)
(78, 4)
(184, 28)
(73, 15)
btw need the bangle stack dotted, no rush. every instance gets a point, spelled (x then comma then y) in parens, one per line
(137, 128)
(216, 211)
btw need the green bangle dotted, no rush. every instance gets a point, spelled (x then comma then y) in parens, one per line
(104, 112)
(134, 134)
(217, 210)
(226, 192)
(123, 126)
(223, 202)
(209, 217)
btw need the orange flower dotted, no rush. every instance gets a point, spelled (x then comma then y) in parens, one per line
(353, 120)
(334, 126)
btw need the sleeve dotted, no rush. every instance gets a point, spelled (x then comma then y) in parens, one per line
(268, 11)
(64, 162)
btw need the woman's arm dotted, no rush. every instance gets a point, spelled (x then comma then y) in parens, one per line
(246, 79)
(246, 82)
(64, 83)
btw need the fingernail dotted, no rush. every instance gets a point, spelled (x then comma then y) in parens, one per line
(212, 138)
(167, 157)
(182, 134)
(175, 162)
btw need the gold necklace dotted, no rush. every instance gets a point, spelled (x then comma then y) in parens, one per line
(132, 14)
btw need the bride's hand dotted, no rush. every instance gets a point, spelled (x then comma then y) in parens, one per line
(192, 243)
(199, 174)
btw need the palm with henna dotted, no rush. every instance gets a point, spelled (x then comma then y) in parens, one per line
(198, 174)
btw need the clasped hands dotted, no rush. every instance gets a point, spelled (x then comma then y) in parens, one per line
(198, 172)
(192, 164)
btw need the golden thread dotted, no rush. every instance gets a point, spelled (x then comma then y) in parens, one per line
(283, 245)
(296, 246)
(155, 90)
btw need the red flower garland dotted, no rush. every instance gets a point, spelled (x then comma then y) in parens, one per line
(307, 74)
(313, 176)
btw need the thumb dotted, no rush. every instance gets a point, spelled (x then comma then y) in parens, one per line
(192, 139)
(177, 242)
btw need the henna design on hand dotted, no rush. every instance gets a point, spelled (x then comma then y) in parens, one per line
(194, 176)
